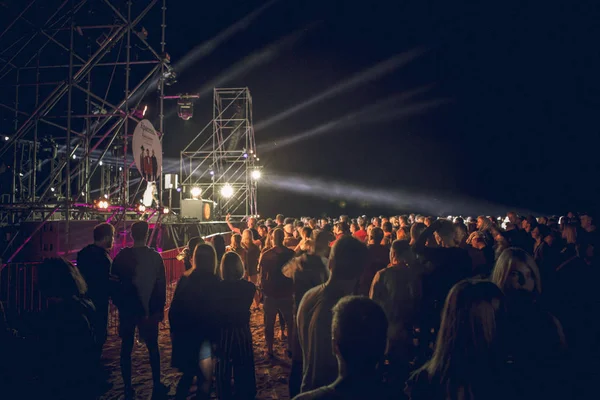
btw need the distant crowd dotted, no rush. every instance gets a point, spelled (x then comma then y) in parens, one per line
(409, 306)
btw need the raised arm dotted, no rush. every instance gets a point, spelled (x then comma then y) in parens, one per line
(230, 225)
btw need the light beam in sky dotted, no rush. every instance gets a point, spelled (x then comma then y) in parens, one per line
(367, 75)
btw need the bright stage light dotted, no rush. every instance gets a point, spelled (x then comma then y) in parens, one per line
(256, 174)
(196, 191)
(100, 163)
(74, 156)
(144, 112)
(227, 191)
(103, 204)
(142, 208)
(6, 138)
(166, 210)
(52, 189)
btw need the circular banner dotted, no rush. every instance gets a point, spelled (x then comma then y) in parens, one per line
(147, 151)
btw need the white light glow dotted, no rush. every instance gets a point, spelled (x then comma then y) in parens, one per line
(256, 174)
(196, 191)
(227, 191)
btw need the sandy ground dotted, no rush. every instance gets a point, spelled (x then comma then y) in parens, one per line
(271, 375)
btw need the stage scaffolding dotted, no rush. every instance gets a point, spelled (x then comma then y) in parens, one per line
(226, 159)
(74, 75)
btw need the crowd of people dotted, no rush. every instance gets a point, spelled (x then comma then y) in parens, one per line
(407, 306)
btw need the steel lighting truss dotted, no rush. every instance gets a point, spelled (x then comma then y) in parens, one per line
(221, 164)
(73, 74)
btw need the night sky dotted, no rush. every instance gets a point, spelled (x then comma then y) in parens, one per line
(492, 106)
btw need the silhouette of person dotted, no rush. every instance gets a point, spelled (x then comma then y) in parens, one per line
(141, 164)
(148, 166)
(154, 163)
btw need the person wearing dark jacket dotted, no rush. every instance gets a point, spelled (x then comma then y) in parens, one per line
(446, 265)
(306, 271)
(193, 317)
(235, 353)
(277, 288)
(141, 299)
(94, 263)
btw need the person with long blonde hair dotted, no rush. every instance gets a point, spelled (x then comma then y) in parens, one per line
(569, 234)
(534, 338)
(467, 359)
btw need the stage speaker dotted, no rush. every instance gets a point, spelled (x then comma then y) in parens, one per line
(171, 181)
(192, 208)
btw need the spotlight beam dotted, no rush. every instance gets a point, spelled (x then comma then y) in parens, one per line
(382, 108)
(393, 199)
(251, 61)
(370, 74)
(206, 48)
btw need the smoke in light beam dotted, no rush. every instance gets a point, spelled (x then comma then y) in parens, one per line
(370, 74)
(392, 199)
(252, 61)
(374, 113)
(206, 48)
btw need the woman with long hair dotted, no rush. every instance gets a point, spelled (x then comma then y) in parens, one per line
(235, 353)
(466, 362)
(534, 338)
(305, 235)
(193, 320)
(252, 254)
(236, 246)
(569, 235)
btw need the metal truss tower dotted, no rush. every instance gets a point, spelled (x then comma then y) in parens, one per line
(73, 75)
(223, 165)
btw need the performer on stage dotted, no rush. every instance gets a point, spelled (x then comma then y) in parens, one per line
(150, 196)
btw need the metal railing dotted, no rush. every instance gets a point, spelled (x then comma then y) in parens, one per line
(19, 293)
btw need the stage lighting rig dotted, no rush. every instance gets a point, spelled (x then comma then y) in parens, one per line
(185, 105)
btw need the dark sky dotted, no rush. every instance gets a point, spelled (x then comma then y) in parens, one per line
(519, 79)
(507, 105)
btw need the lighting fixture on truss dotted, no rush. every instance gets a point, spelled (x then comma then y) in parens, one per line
(185, 108)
